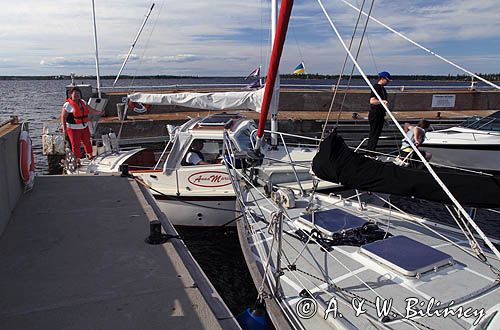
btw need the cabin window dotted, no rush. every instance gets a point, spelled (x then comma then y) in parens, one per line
(210, 152)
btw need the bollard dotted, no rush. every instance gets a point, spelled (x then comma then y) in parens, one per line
(155, 235)
(123, 168)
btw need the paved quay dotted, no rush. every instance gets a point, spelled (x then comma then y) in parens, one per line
(73, 256)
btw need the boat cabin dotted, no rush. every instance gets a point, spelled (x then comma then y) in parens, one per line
(208, 130)
(202, 180)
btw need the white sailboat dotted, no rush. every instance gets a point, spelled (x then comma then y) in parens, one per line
(323, 261)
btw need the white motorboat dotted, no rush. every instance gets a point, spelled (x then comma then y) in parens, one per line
(474, 144)
(201, 195)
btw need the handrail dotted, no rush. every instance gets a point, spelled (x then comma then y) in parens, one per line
(293, 166)
(163, 153)
(13, 120)
(285, 134)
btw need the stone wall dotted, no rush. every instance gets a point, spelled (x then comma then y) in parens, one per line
(355, 101)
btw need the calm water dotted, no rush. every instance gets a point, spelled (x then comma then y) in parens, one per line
(217, 251)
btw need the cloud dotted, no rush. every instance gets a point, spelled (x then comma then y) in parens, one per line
(227, 37)
(62, 61)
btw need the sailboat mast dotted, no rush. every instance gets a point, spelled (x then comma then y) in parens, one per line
(279, 41)
(96, 52)
(276, 94)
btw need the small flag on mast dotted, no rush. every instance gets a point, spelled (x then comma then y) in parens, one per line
(254, 73)
(299, 69)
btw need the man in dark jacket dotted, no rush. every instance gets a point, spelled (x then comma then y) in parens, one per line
(377, 111)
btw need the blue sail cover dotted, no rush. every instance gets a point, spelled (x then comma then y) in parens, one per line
(336, 162)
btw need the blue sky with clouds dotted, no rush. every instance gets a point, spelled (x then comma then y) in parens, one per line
(231, 37)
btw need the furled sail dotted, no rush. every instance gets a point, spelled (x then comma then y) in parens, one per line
(244, 100)
(336, 162)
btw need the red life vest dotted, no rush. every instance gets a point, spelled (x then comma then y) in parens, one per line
(80, 112)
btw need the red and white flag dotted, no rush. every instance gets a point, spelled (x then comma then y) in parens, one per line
(254, 73)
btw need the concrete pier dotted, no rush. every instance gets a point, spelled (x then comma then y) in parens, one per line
(10, 182)
(73, 256)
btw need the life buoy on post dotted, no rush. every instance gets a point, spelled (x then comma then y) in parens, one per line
(26, 160)
(138, 107)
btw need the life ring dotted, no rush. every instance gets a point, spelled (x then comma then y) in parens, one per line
(26, 160)
(138, 107)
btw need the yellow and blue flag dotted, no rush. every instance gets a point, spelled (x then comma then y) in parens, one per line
(299, 69)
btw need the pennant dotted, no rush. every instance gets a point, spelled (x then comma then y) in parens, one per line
(255, 84)
(254, 73)
(299, 69)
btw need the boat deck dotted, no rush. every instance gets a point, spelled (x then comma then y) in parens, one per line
(353, 277)
(73, 256)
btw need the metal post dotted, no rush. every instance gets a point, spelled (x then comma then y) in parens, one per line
(276, 94)
(279, 272)
(96, 53)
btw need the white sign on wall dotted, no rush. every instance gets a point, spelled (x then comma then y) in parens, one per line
(443, 101)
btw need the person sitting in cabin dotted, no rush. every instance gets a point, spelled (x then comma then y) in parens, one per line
(74, 119)
(194, 156)
(417, 135)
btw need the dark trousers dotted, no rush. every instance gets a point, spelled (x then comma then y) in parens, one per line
(376, 119)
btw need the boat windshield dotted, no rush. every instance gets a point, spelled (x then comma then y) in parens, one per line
(175, 152)
(243, 139)
(483, 124)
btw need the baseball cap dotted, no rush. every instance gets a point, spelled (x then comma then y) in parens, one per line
(385, 74)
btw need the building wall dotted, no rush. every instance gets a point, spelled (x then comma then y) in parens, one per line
(10, 179)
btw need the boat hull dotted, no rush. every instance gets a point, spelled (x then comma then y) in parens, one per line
(198, 212)
(471, 157)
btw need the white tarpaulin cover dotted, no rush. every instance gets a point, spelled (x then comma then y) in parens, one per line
(245, 100)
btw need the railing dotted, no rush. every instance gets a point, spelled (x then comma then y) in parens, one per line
(12, 120)
(401, 88)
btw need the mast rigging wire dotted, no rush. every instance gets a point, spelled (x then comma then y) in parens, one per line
(353, 67)
(133, 44)
(427, 165)
(420, 46)
(336, 88)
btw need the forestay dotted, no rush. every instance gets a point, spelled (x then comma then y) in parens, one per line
(244, 100)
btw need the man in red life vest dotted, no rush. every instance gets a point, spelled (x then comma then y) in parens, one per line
(74, 119)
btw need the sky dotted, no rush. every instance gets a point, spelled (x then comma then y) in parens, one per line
(232, 37)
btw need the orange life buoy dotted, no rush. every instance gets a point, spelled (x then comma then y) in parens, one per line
(26, 159)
